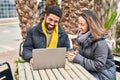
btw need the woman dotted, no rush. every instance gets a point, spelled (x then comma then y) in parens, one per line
(94, 54)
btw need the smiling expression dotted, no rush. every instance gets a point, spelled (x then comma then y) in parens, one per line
(82, 25)
(51, 21)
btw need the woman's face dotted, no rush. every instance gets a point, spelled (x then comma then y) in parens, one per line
(82, 25)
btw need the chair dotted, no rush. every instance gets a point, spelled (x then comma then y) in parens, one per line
(5, 73)
(70, 39)
(21, 48)
(117, 62)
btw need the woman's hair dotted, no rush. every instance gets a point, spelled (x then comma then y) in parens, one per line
(95, 26)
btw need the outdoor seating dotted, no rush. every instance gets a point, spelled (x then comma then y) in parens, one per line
(116, 59)
(5, 72)
(71, 71)
(20, 48)
(117, 62)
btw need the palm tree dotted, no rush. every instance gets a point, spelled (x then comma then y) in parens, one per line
(27, 14)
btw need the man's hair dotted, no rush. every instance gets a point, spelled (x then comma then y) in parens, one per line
(54, 10)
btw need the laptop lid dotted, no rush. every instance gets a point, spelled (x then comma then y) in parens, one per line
(47, 58)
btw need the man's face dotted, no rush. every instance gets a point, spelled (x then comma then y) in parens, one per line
(51, 21)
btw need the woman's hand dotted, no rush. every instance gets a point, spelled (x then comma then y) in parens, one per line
(70, 55)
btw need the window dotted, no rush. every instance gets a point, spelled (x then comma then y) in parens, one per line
(7, 9)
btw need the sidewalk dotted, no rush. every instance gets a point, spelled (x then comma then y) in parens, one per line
(10, 35)
(10, 20)
(10, 57)
(10, 39)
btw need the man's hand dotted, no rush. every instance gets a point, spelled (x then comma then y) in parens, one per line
(31, 61)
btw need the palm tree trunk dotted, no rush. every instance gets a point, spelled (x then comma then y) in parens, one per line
(27, 13)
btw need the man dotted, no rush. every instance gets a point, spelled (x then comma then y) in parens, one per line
(46, 34)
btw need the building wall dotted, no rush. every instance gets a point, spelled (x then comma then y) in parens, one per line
(7, 9)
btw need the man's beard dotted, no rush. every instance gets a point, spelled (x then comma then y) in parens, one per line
(50, 28)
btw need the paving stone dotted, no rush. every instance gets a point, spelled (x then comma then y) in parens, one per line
(10, 57)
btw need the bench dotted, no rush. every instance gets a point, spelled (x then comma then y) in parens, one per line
(117, 62)
(71, 71)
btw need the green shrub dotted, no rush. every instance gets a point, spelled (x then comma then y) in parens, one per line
(110, 18)
(20, 61)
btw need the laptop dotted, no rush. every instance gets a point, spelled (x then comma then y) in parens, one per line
(48, 58)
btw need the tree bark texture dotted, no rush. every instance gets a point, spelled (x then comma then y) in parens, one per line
(27, 14)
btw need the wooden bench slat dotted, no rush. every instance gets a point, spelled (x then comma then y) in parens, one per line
(89, 76)
(57, 74)
(80, 75)
(21, 72)
(43, 75)
(71, 73)
(36, 75)
(116, 58)
(28, 71)
(72, 36)
(65, 74)
(50, 74)
(117, 75)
